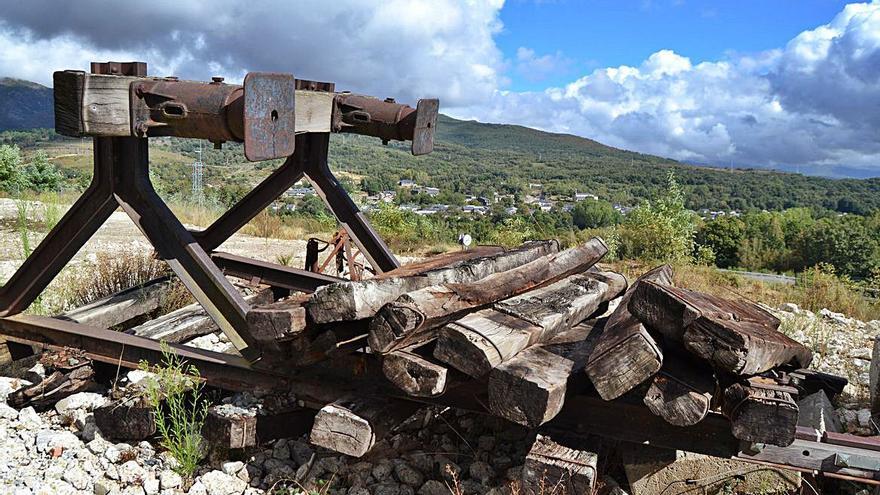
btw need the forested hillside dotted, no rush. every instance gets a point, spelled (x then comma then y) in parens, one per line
(24, 105)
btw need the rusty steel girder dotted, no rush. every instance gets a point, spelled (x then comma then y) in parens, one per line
(387, 120)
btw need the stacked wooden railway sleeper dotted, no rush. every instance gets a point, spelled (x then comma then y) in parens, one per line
(521, 326)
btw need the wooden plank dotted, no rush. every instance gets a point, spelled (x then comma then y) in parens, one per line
(735, 336)
(551, 467)
(352, 426)
(413, 317)
(230, 427)
(480, 341)
(345, 301)
(412, 371)
(98, 105)
(681, 392)
(277, 321)
(626, 354)
(122, 306)
(189, 321)
(760, 412)
(530, 388)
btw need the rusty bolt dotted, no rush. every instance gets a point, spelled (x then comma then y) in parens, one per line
(142, 128)
(139, 90)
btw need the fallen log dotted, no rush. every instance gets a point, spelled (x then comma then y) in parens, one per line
(189, 321)
(530, 388)
(553, 468)
(760, 411)
(681, 392)
(122, 306)
(362, 299)
(412, 317)
(626, 354)
(480, 341)
(735, 336)
(413, 372)
(352, 426)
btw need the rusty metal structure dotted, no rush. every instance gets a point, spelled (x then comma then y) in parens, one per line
(266, 114)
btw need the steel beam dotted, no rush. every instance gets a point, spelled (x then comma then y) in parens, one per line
(272, 274)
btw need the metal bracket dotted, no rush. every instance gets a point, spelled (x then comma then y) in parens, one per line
(269, 115)
(426, 122)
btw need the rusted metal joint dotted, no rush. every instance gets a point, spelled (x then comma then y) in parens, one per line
(260, 113)
(387, 120)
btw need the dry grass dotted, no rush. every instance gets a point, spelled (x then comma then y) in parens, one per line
(109, 274)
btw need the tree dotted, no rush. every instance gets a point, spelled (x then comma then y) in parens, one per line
(724, 236)
(11, 177)
(41, 175)
(844, 243)
(590, 214)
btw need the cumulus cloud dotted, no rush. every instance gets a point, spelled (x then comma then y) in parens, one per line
(534, 67)
(402, 48)
(813, 102)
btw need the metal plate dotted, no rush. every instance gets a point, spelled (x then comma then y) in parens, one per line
(269, 116)
(426, 122)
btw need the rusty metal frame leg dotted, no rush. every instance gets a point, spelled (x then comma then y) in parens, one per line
(74, 229)
(256, 200)
(352, 219)
(176, 245)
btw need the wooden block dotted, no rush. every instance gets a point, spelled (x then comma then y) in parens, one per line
(352, 426)
(554, 468)
(278, 321)
(356, 300)
(735, 336)
(230, 427)
(626, 354)
(681, 392)
(129, 418)
(761, 412)
(415, 374)
(412, 318)
(478, 342)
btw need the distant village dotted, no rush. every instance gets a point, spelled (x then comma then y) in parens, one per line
(536, 199)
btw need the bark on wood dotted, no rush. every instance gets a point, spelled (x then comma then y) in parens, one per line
(413, 317)
(626, 354)
(554, 468)
(120, 307)
(414, 373)
(681, 392)
(352, 426)
(735, 336)
(480, 341)
(189, 322)
(227, 428)
(761, 412)
(129, 418)
(362, 299)
(530, 388)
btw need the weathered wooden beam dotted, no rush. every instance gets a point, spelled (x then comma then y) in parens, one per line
(626, 354)
(67, 372)
(229, 427)
(277, 321)
(355, 300)
(414, 372)
(98, 105)
(189, 321)
(352, 426)
(122, 306)
(681, 392)
(413, 317)
(530, 388)
(735, 336)
(551, 467)
(760, 411)
(127, 418)
(476, 343)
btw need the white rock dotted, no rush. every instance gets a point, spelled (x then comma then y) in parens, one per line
(49, 439)
(198, 488)
(29, 419)
(136, 376)
(220, 483)
(232, 467)
(151, 486)
(9, 385)
(132, 473)
(77, 477)
(864, 417)
(169, 479)
(104, 486)
(98, 446)
(7, 412)
(56, 487)
(790, 308)
(114, 453)
(82, 400)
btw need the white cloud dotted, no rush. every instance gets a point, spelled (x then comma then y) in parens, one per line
(813, 102)
(534, 67)
(402, 48)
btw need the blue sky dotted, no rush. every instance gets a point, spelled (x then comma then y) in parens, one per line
(783, 84)
(590, 34)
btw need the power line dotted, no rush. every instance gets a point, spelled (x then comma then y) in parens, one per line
(197, 174)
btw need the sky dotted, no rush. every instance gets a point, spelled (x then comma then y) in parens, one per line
(774, 83)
